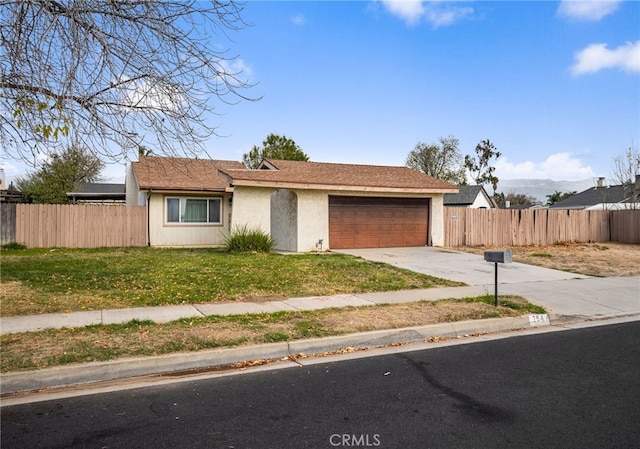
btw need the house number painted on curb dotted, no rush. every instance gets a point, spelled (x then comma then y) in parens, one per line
(538, 319)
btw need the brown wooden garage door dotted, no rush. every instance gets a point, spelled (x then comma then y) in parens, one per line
(366, 222)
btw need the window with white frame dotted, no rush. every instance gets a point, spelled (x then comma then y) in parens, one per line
(194, 210)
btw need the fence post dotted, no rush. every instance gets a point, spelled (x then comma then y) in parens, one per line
(7, 223)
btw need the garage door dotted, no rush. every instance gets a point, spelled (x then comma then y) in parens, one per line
(366, 222)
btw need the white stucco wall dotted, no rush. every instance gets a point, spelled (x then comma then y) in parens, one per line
(436, 218)
(190, 235)
(252, 207)
(313, 219)
(132, 192)
(310, 216)
(284, 220)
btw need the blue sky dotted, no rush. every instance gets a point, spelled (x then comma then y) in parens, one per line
(554, 85)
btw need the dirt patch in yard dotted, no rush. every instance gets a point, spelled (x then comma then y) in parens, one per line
(413, 314)
(593, 259)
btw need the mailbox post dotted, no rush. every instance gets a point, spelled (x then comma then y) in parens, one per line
(497, 256)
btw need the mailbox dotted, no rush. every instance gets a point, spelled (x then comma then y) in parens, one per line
(498, 256)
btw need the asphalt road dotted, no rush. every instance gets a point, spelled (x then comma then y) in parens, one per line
(569, 389)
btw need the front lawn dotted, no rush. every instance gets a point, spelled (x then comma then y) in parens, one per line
(62, 280)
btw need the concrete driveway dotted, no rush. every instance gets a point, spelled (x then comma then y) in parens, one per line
(458, 266)
(560, 292)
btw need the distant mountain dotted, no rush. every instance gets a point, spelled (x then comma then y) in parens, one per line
(540, 188)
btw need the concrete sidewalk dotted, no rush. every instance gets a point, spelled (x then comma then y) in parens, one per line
(581, 298)
(584, 298)
(164, 314)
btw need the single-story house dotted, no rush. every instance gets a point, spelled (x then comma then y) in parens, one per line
(604, 197)
(304, 206)
(473, 197)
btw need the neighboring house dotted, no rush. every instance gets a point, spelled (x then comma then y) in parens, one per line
(473, 197)
(304, 206)
(604, 197)
(9, 195)
(524, 206)
(90, 192)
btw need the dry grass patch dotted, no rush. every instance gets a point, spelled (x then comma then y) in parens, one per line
(593, 259)
(406, 315)
(20, 299)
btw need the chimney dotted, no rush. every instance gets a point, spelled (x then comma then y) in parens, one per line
(638, 182)
(600, 182)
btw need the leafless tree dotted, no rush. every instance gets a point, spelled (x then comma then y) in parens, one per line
(114, 76)
(626, 168)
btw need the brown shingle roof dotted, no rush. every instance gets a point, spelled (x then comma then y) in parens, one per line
(339, 176)
(169, 173)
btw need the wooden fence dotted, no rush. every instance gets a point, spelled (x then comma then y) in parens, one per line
(507, 227)
(94, 226)
(625, 226)
(7, 223)
(78, 226)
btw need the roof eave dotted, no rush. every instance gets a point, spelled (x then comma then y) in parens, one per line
(96, 194)
(164, 189)
(309, 186)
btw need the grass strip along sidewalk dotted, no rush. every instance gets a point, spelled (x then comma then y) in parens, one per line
(37, 350)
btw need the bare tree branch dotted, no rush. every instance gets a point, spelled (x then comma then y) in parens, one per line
(114, 75)
(626, 169)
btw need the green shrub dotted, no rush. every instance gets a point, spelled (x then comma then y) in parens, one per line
(245, 239)
(13, 245)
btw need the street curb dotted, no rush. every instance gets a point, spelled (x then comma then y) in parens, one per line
(93, 372)
(560, 319)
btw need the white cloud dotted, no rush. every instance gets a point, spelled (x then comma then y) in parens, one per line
(8, 167)
(444, 16)
(149, 94)
(592, 10)
(558, 166)
(238, 67)
(436, 13)
(596, 57)
(410, 11)
(298, 19)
